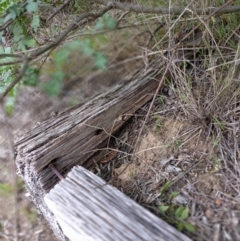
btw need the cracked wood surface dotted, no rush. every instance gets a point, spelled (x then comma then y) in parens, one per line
(72, 137)
(88, 209)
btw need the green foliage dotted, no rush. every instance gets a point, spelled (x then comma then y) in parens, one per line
(176, 214)
(31, 77)
(217, 165)
(7, 76)
(5, 4)
(5, 189)
(159, 123)
(106, 22)
(10, 104)
(32, 215)
(81, 6)
(219, 123)
(161, 99)
(35, 22)
(13, 12)
(54, 87)
(32, 6)
(88, 47)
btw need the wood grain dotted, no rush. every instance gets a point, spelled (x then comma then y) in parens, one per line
(73, 137)
(88, 209)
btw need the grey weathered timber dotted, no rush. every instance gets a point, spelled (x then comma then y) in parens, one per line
(72, 137)
(88, 209)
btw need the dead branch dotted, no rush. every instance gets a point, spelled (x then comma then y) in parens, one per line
(173, 11)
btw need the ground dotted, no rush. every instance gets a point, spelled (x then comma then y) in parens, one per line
(184, 167)
(176, 166)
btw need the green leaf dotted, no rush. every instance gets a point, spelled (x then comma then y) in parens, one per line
(35, 22)
(100, 60)
(54, 87)
(32, 6)
(100, 24)
(17, 32)
(74, 45)
(8, 50)
(13, 12)
(165, 188)
(29, 42)
(163, 208)
(87, 47)
(9, 16)
(26, 42)
(180, 226)
(106, 22)
(172, 195)
(31, 77)
(62, 56)
(11, 100)
(179, 211)
(185, 213)
(5, 188)
(111, 23)
(190, 227)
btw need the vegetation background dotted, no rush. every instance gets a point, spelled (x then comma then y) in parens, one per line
(56, 54)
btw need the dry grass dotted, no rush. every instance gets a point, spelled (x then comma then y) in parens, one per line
(194, 143)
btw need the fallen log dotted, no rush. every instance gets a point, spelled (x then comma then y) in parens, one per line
(72, 137)
(88, 209)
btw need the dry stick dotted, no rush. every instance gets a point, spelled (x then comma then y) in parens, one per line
(59, 9)
(2, 56)
(62, 36)
(11, 144)
(55, 171)
(70, 28)
(10, 21)
(173, 10)
(11, 157)
(48, 47)
(18, 78)
(120, 19)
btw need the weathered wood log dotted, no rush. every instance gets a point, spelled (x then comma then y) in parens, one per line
(72, 137)
(88, 209)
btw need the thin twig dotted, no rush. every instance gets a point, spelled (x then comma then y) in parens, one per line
(173, 10)
(70, 28)
(9, 137)
(55, 171)
(59, 9)
(18, 78)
